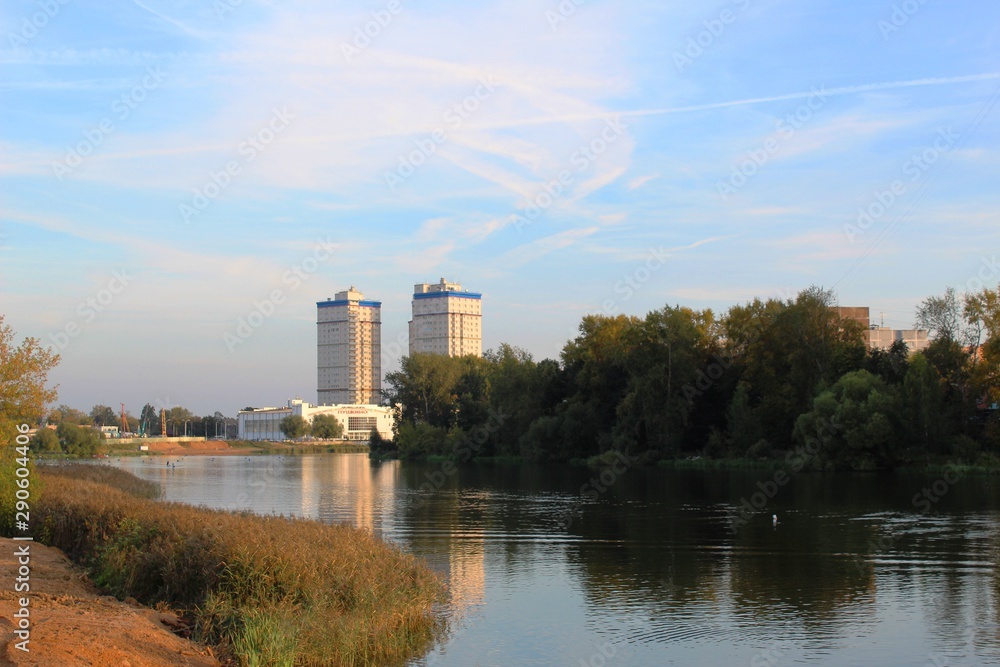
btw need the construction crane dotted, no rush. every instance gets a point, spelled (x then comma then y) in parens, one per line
(124, 422)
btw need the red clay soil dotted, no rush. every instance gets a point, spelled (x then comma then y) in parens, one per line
(213, 447)
(73, 625)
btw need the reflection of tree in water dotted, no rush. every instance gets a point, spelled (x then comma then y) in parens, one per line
(657, 553)
(686, 575)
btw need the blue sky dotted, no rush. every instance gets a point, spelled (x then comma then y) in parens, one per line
(170, 167)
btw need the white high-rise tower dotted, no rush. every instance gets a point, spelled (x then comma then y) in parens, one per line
(349, 349)
(446, 320)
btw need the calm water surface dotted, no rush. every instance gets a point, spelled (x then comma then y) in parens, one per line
(545, 570)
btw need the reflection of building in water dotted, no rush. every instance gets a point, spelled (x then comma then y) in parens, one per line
(357, 472)
(467, 570)
(310, 486)
(346, 488)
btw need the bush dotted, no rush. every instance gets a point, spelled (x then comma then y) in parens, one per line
(80, 441)
(46, 441)
(379, 447)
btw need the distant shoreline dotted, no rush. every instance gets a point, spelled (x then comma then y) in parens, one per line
(160, 448)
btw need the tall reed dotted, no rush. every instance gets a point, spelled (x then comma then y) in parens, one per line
(267, 590)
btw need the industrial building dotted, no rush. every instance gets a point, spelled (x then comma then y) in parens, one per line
(446, 320)
(357, 420)
(349, 342)
(879, 337)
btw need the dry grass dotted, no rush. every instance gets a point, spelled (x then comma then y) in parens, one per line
(105, 474)
(269, 590)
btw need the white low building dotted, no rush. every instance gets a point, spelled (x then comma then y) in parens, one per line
(357, 420)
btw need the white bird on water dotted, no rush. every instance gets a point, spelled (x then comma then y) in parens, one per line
(774, 519)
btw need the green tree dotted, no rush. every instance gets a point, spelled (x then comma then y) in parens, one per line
(926, 422)
(177, 421)
(853, 425)
(424, 388)
(521, 391)
(103, 415)
(742, 428)
(80, 441)
(379, 447)
(24, 396)
(294, 426)
(149, 420)
(982, 312)
(68, 414)
(327, 427)
(46, 440)
(786, 352)
(954, 364)
(666, 352)
(889, 364)
(595, 363)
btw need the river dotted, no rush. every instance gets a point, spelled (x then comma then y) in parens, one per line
(553, 565)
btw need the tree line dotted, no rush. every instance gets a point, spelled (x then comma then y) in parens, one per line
(765, 378)
(76, 433)
(179, 420)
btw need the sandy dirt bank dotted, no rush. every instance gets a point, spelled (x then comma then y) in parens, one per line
(72, 624)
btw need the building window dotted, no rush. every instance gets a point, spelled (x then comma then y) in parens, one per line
(365, 424)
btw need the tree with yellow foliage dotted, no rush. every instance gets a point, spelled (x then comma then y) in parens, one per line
(24, 372)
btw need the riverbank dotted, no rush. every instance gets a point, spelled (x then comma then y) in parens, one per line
(260, 590)
(74, 625)
(220, 448)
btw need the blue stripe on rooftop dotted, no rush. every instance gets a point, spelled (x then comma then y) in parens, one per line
(345, 302)
(438, 295)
